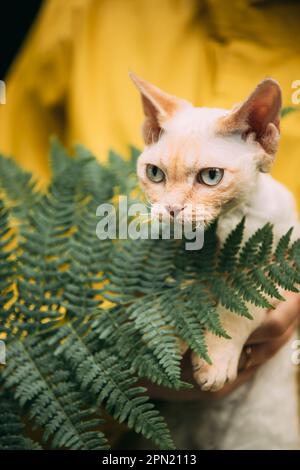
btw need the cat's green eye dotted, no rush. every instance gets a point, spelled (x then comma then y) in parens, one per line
(155, 174)
(210, 176)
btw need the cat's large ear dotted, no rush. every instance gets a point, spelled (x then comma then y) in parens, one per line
(158, 108)
(258, 117)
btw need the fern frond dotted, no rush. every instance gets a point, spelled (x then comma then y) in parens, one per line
(112, 386)
(124, 170)
(126, 341)
(265, 283)
(149, 318)
(258, 248)
(7, 269)
(294, 254)
(286, 110)
(12, 430)
(18, 188)
(229, 298)
(230, 250)
(40, 380)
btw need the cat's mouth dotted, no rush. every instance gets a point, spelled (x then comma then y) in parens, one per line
(199, 217)
(194, 223)
(190, 216)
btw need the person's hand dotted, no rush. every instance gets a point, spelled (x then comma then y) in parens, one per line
(275, 331)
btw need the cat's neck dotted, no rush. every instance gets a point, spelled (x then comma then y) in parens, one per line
(247, 202)
(263, 203)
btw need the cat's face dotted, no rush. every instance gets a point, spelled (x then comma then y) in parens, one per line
(198, 161)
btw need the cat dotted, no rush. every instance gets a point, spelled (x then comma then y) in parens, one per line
(220, 160)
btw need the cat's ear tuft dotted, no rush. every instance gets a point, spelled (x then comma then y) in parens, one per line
(258, 116)
(158, 107)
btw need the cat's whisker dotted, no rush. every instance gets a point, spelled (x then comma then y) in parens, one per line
(149, 202)
(142, 218)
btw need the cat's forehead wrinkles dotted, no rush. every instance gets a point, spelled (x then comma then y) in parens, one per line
(180, 158)
(174, 170)
(178, 168)
(190, 161)
(165, 159)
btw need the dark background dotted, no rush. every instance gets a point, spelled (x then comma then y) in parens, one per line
(16, 17)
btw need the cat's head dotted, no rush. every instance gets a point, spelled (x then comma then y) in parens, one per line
(206, 159)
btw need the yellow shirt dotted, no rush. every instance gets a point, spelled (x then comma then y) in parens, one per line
(71, 77)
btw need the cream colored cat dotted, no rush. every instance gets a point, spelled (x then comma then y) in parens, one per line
(218, 160)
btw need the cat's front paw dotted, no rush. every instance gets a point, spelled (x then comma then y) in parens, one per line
(222, 370)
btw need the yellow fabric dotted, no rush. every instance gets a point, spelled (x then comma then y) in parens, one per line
(71, 75)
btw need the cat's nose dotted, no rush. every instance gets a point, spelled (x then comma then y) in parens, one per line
(174, 210)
